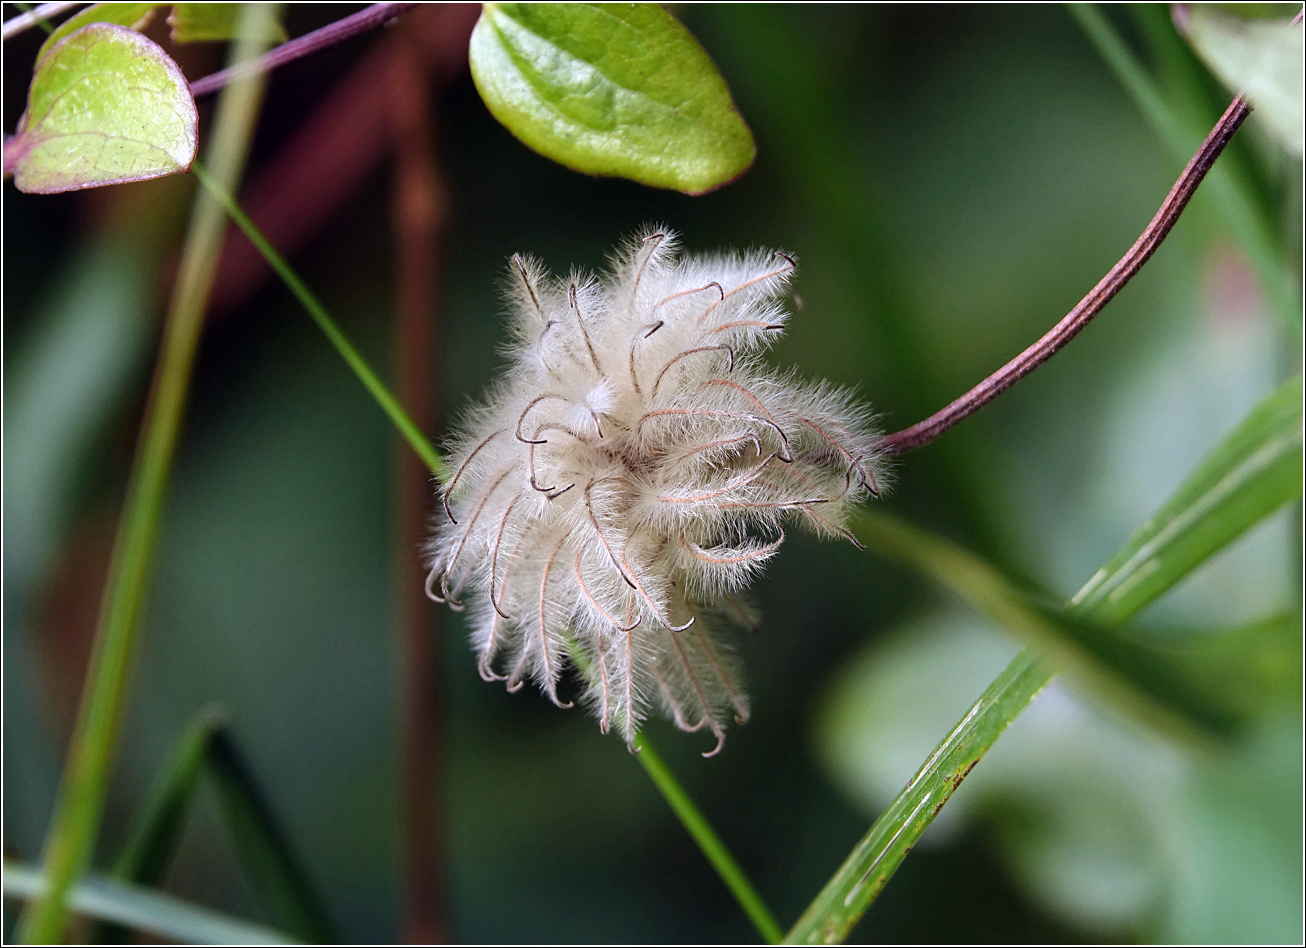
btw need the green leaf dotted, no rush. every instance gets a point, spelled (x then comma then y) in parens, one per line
(106, 105)
(133, 907)
(201, 22)
(278, 880)
(132, 15)
(273, 872)
(190, 22)
(1254, 471)
(1262, 59)
(157, 828)
(1250, 670)
(611, 89)
(831, 916)
(158, 825)
(1125, 671)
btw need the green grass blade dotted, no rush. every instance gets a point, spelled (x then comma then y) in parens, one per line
(1127, 673)
(80, 804)
(274, 873)
(1254, 472)
(709, 842)
(1247, 477)
(371, 381)
(1240, 211)
(158, 826)
(831, 916)
(136, 908)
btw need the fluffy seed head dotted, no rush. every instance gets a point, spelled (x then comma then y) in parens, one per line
(631, 473)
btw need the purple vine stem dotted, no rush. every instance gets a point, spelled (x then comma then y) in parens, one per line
(924, 432)
(340, 30)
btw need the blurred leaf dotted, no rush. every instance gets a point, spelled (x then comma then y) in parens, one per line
(1239, 867)
(607, 89)
(1251, 670)
(106, 105)
(157, 828)
(278, 880)
(1262, 59)
(199, 22)
(158, 825)
(190, 22)
(101, 897)
(1123, 670)
(131, 15)
(1252, 473)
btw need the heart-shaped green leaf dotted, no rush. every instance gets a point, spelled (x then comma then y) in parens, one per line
(611, 89)
(106, 105)
(1261, 59)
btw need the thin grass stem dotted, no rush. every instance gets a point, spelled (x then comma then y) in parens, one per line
(79, 807)
(389, 404)
(709, 842)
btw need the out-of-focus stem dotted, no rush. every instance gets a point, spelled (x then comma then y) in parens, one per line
(418, 211)
(37, 17)
(80, 805)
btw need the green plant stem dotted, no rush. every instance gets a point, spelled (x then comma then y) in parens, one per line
(709, 842)
(80, 804)
(1245, 223)
(695, 823)
(389, 404)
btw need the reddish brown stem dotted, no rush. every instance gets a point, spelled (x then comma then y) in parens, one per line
(924, 432)
(300, 46)
(419, 212)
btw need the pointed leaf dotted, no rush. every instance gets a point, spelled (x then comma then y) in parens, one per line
(276, 876)
(1249, 475)
(611, 89)
(106, 105)
(1252, 473)
(158, 825)
(134, 907)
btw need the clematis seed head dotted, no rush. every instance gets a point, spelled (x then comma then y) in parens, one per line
(632, 471)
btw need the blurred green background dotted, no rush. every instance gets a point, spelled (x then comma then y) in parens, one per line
(951, 180)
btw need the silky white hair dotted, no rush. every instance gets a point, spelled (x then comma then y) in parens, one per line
(632, 471)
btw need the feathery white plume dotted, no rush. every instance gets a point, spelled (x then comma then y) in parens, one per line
(632, 471)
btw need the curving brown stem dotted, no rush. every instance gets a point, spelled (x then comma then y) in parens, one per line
(924, 432)
(337, 32)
